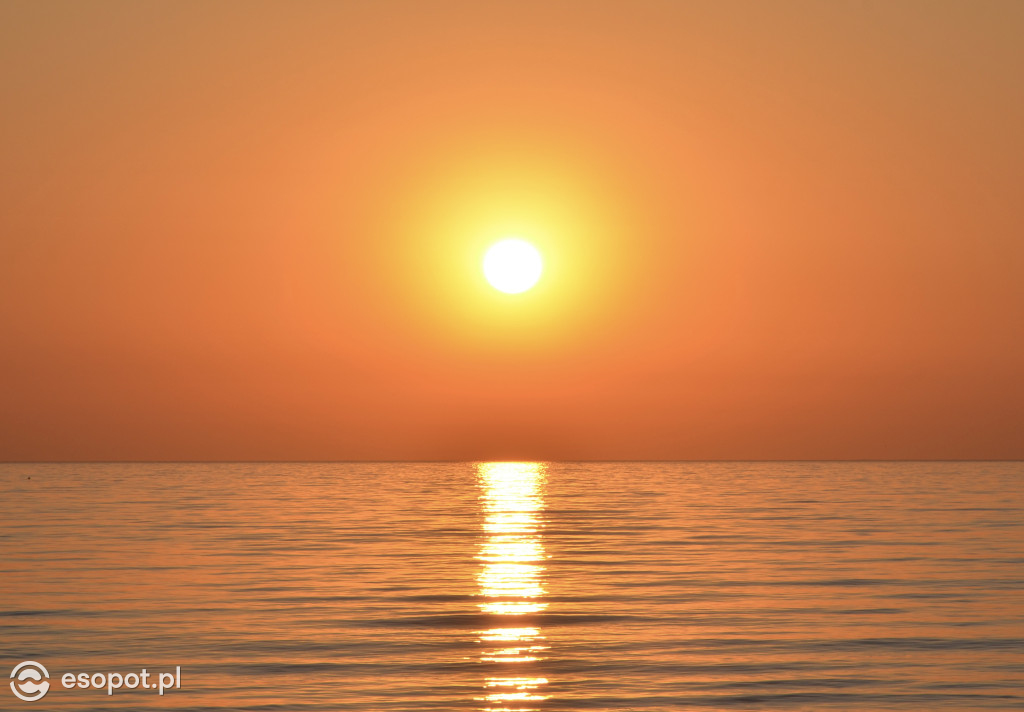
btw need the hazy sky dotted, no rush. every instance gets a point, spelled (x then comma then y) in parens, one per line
(252, 230)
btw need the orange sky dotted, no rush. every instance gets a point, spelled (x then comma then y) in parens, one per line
(248, 230)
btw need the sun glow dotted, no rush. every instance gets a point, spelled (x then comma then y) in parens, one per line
(455, 208)
(513, 266)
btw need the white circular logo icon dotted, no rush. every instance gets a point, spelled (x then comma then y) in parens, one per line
(26, 684)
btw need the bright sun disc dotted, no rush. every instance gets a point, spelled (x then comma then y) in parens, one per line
(512, 266)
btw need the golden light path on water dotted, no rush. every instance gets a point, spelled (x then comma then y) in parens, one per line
(510, 580)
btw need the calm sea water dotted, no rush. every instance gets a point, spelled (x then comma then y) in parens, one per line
(489, 586)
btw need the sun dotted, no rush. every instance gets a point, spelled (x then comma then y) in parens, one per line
(512, 266)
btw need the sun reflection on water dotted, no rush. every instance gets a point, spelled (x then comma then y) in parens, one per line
(511, 580)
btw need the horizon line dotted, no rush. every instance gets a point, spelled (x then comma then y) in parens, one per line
(428, 462)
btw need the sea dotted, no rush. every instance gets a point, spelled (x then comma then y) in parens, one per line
(512, 586)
